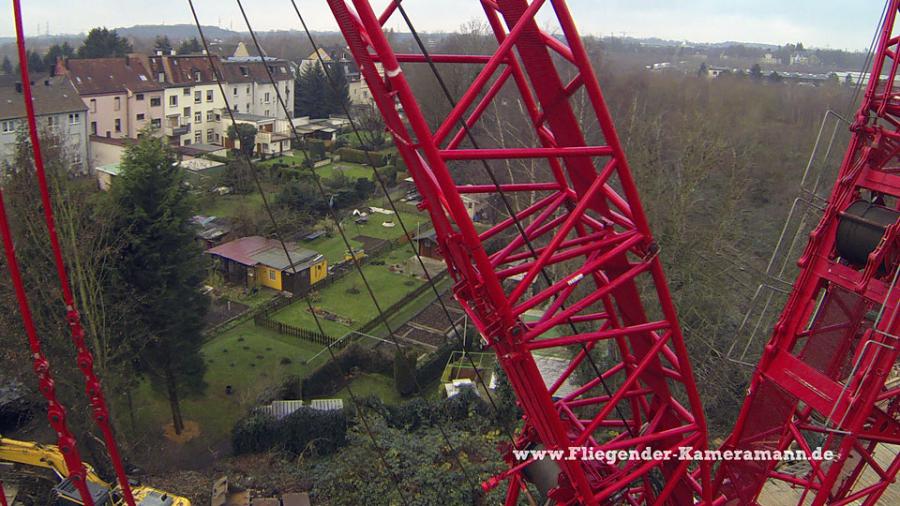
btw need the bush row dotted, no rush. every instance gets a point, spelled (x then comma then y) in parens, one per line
(305, 430)
(354, 155)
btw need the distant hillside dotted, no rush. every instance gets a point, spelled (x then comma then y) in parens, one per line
(175, 32)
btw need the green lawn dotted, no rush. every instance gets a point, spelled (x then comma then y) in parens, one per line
(375, 226)
(230, 206)
(240, 367)
(333, 247)
(388, 287)
(353, 171)
(367, 384)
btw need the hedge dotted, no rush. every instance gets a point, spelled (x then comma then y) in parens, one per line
(404, 372)
(322, 432)
(327, 378)
(354, 155)
(434, 367)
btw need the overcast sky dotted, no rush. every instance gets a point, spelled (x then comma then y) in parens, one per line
(843, 24)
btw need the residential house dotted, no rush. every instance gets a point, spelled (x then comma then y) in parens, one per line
(272, 135)
(804, 58)
(193, 100)
(250, 90)
(256, 261)
(333, 56)
(58, 111)
(770, 59)
(121, 96)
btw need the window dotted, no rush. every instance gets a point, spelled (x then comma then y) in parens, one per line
(161, 77)
(248, 89)
(93, 105)
(198, 137)
(140, 117)
(76, 157)
(118, 125)
(156, 123)
(52, 121)
(266, 100)
(186, 92)
(118, 104)
(209, 136)
(209, 95)
(198, 97)
(75, 118)
(156, 102)
(210, 116)
(8, 126)
(267, 113)
(173, 101)
(272, 274)
(187, 112)
(234, 92)
(198, 117)
(197, 76)
(139, 97)
(244, 72)
(93, 128)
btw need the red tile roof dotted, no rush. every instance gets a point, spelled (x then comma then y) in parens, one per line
(242, 250)
(255, 71)
(182, 70)
(95, 76)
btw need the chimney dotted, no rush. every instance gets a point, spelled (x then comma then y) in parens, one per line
(60, 69)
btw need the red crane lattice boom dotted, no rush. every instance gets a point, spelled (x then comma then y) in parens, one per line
(586, 225)
(824, 380)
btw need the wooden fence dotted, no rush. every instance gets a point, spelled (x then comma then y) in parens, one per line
(264, 321)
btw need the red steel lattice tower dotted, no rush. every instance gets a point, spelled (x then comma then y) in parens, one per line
(825, 379)
(585, 225)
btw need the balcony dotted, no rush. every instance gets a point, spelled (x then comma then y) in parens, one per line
(177, 130)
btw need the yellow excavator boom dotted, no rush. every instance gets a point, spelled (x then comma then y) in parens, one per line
(43, 456)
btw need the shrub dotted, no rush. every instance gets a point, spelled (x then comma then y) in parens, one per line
(291, 387)
(404, 373)
(362, 157)
(254, 433)
(322, 432)
(285, 361)
(316, 149)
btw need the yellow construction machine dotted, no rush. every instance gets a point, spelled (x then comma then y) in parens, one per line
(27, 457)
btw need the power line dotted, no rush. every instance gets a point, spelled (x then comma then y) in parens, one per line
(460, 338)
(342, 233)
(547, 279)
(277, 231)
